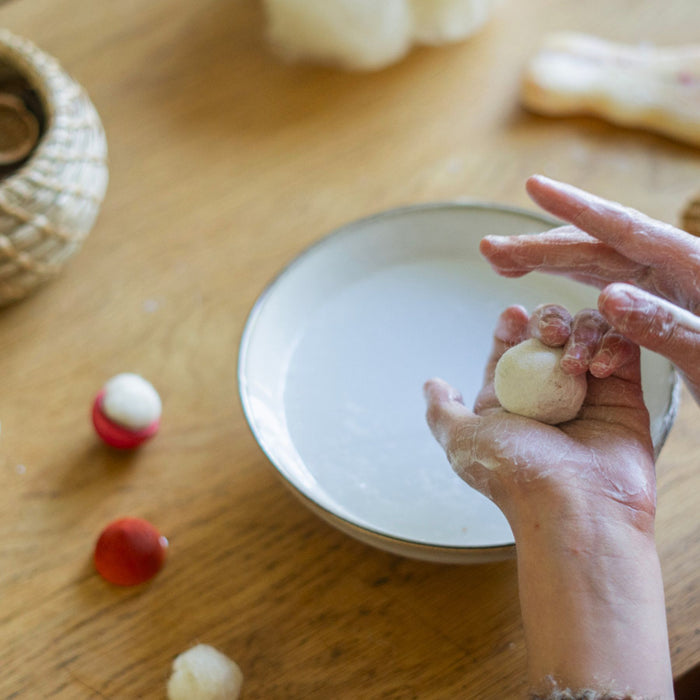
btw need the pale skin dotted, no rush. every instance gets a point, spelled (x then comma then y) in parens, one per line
(581, 497)
(648, 271)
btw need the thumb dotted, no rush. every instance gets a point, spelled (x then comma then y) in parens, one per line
(446, 414)
(655, 324)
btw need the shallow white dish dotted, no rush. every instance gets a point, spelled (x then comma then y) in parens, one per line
(335, 353)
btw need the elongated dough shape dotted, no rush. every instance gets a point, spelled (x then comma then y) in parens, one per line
(636, 86)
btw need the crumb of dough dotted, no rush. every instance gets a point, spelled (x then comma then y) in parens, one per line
(529, 381)
(203, 673)
(131, 401)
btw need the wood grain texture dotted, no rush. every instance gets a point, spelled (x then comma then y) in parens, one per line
(224, 164)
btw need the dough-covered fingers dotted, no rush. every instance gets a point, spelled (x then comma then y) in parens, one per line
(668, 258)
(587, 331)
(455, 428)
(551, 323)
(657, 325)
(591, 344)
(614, 244)
(560, 251)
(633, 234)
(594, 346)
(614, 351)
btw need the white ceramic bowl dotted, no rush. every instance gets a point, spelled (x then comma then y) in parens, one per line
(335, 353)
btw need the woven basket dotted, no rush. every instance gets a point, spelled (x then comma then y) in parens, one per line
(48, 203)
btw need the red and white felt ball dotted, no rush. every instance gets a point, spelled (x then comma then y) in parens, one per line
(130, 551)
(127, 410)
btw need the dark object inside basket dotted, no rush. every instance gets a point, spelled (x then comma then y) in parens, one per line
(22, 120)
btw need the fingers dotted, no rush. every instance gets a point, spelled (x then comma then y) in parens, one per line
(588, 330)
(590, 344)
(620, 392)
(595, 347)
(551, 324)
(614, 352)
(564, 251)
(631, 233)
(456, 428)
(655, 324)
(614, 244)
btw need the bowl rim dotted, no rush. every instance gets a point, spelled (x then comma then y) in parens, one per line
(382, 540)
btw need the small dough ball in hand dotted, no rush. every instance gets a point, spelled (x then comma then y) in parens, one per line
(529, 381)
(203, 673)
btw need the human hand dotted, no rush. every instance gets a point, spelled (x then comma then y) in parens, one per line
(648, 271)
(580, 499)
(600, 461)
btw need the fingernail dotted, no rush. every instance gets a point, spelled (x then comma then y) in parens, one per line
(619, 292)
(496, 240)
(576, 359)
(555, 326)
(506, 329)
(428, 389)
(624, 309)
(601, 364)
(454, 395)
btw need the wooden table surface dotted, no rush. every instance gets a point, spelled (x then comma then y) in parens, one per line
(224, 164)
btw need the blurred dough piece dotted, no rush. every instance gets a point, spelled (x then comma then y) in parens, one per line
(637, 86)
(368, 35)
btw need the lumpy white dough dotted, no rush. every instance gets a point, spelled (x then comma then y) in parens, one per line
(529, 381)
(131, 401)
(358, 34)
(204, 673)
(366, 34)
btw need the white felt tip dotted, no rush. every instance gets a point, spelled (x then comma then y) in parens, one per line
(131, 401)
(203, 673)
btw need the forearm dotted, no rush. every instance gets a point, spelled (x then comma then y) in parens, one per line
(592, 601)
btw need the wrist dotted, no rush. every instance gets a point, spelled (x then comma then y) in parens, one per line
(559, 515)
(592, 597)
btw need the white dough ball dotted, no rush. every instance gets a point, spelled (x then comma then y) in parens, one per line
(131, 401)
(356, 34)
(203, 673)
(530, 381)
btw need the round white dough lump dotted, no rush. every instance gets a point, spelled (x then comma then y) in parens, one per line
(131, 401)
(529, 381)
(203, 673)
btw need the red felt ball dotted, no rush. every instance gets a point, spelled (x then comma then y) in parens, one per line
(130, 551)
(117, 435)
